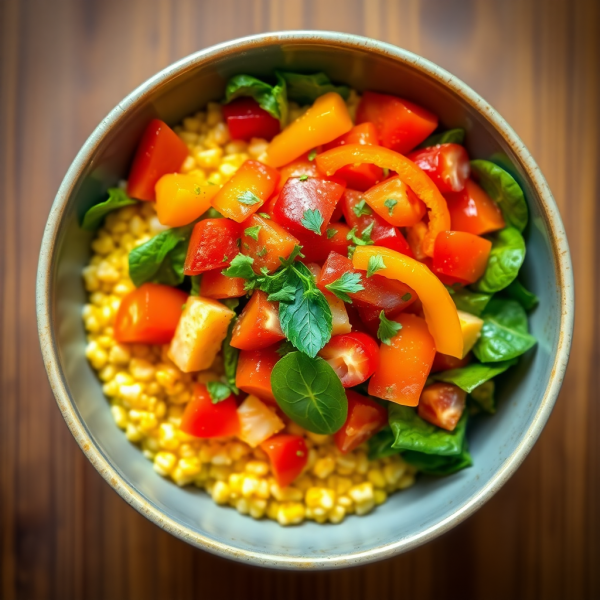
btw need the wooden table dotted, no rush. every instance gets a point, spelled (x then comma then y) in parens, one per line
(65, 64)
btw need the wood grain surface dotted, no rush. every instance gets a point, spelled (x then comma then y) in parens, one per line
(64, 65)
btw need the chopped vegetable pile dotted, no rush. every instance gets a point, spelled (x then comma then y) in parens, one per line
(300, 297)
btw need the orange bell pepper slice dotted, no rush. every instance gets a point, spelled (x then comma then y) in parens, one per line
(438, 307)
(323, 122)
(418, 181)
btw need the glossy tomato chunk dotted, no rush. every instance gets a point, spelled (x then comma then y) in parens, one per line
(298, 168)
(159, 152)
(446, 164)
(353, 356)
(460, 255)
(213, 244)
(401, 125)
(246, 120)
(473, 211)
(150, 314)
(217, 286)
(359, 215)
(253, 374)
(316, 248)
(288, 455)
(299, 196)
(258, 324)
(365, 418)
(201, 418)
(442, 404)
(445, 362)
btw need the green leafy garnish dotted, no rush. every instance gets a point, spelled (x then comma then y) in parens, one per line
(452, 136)
(310, 393)
(252, 232)
(432, 464)
(218, 391)
(195, 289)
(262, 251)
(312, 220)
(312, 155)
(248, 198)
(161, 258)
(348, 283)
(117, 198)
(505, 260)
(362, 208)
(483, 395)
(240, 266)
(390, 203)
(331, 232)
(264, 215)
(285, 348)
(286, 294)
(468, 301)
(230, 355)
(303, 177)
(375, 264)
(387, 329)
(270, 98)
(504, 189)
(504, 334)
(305, 89)
(365, 237)
(521, 294)
(380, 445)
(406, 297)
(472, 376)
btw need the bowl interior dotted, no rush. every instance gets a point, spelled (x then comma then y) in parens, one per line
(407, 518)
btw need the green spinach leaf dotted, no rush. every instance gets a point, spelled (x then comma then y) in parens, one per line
(431, 464)
(517, 291)
(472, 376)
(117, 198)
(451, 136)
(468, 301)
(504, 334)
(310, 393)
(271, 98)
(506, 257)
(502, 187)
(230, 358)
(380, 445)
(305, 89)
(483, 395)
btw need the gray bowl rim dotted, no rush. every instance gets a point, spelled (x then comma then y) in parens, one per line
(47, 267)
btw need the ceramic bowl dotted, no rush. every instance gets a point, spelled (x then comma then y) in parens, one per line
(407, 519)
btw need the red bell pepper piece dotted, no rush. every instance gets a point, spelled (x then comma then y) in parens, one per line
(401, 125)
(297, 168)
(446, 164)
(217, 286)
(201, 418)
(442, 404)
(247, 120)
(288, 455)
(253, 374)
(213, 244)
(149, 315)
(461, 255)
(159, 152)
(258, 324)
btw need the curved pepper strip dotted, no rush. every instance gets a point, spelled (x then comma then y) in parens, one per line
(414, 177)
(440, 311)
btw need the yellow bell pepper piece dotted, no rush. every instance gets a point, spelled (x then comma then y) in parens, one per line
(440, 311)
(323, 122)
(470, 326)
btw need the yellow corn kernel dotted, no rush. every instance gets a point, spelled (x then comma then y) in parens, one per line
(343, 485)
(249, 486)
(376, 477)
(227, 170)
(207, 452)
(257, 467)
(242, 506)
(186, 450)
(160, 410)
(110, 389)
(322, 497)
(393, 472)
(189, 137)
(148, 422)
(103, 244)
(189, 466)
(221, 458)
(345, 501)
(96, 355)
(362, 462)
(291, 513)
(107, 273)
(324, 467)
(316, 514)
(192, 124)
(346, 464)
(119, 415)
(337, 514)
(295, 429)
(214, 114)
(362, 508)
(216, 178)
(221, 473)
(167, 437)
(119, 355)
(362, 492)
(318, 439)
(189, 164)
(238, 450)
(220, 134)
(235, 482)
(236, 147)
(257, 507)
(180, 478)
(90, 278)
(304, 482)
(405, 481)
(286, 494)
(209, 159)
(257, 147)
(379, 496)
(132, 433)
(272, 509)
(164, 463)
(220, 492)
(263, 490)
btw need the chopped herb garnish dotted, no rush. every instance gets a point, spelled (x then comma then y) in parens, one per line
(312, 220)
(390, 203)
(387, 329)
(375, 264)
(252, 232)
(241, 266)
(262, 251)
(249, 199)
(406, 297)
(331, 232)
(365, 238)
(312, 155)
(348, 283)
(225, 258)
(196, 189)
(303, 177)
(362, 208)
(386, 172)
(218, 391)
(264, 215)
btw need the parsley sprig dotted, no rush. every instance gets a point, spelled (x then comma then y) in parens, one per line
(348, 283)
(387, 329)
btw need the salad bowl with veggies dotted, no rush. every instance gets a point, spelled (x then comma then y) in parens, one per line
(305, 300)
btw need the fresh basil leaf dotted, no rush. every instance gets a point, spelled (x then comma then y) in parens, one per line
(468, 301)
(348, 283)
(506, 257)
(472, 376)
(375, 264)
(218, 391)
(451, 136)
(161, 258)
(504, 334)
(387, 329)
(362, 208)
(331, 232)
(310, 393)
(230, 357)
(502, 187)
(286, 294)
(195, 289)
(432, 464)
(306, 321)
(390, 203)
(240, 266)
(413, 433)
(380, 445)
(117, 198)
(517, 291)
(312, 220)
(270, 98)
(305, 89)
(252, 232)
(483, 395)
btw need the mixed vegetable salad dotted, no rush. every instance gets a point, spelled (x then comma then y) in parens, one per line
(301, 295)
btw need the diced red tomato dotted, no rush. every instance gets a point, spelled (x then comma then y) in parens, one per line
(316, 248)
(288, 455)
(461, 255)
(213, 245)
(253, 374)
(248, 189)
(442, 404)
(159, 152)
(217, 286)
(298, 196)
(473, 211)
(445, 362)
(149, 315)
(353, 356)
(365, 418)
(382, 234)
(297, 168)
(273, 242)
(258, 324)
(405, 364)
(358, 177)
(247, 120)
(446, 164)
(395, 203)
(401, 125)
(383, 293)
(201, 418)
